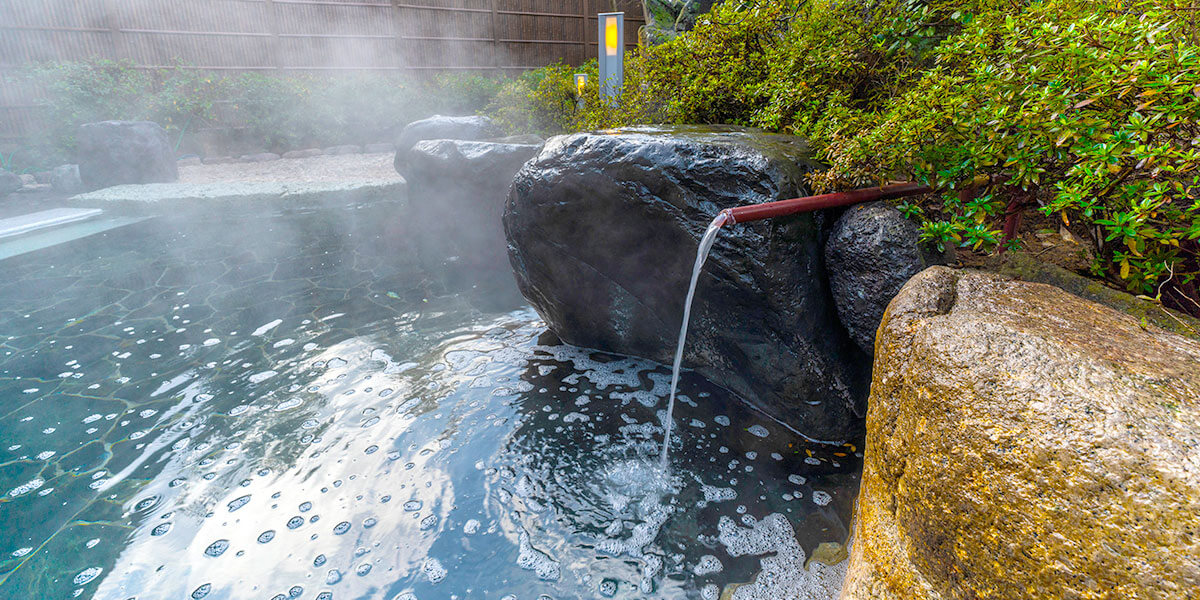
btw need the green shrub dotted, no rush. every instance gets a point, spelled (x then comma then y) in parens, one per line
(1086, 112)
(543, 101)
(274, 112)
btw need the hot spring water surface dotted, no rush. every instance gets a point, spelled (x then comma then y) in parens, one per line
(291, 408)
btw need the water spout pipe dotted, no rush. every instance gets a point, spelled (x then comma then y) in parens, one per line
(781, 208)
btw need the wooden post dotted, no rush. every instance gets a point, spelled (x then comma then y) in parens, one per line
(583, 30)
(273, 28)
(398, 39)
(115, 41)
(495, 37)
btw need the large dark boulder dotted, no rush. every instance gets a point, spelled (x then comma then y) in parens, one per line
(871, 253)
(438, 127)
(457, 191)
(9, 183)
(120, 152)
(602, 232)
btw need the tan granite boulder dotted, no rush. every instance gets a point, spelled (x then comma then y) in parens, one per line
(1026, 443)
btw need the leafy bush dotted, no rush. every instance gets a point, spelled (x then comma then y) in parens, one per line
(1086, 112)
(274, 112)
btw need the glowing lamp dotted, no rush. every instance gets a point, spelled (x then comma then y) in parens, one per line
(612, 55)
(580, 83)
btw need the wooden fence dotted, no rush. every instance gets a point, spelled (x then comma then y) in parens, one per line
(415, 36)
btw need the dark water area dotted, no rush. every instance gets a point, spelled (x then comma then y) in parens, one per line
(290, 406)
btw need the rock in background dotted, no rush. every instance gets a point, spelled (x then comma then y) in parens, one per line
(602, 232)
(120, 152)
(438, 127)
(666, 19)
(871, 253)
(9, 183)
(1023, 442)
(64, 179)
(457, 191)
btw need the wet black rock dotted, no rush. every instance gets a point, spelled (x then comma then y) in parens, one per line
(9, 183)
(457, 191)
(439, 127)
(120, 152)
(871, 253)
(602, 231)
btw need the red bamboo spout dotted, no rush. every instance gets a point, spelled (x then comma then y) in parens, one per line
(770, 210)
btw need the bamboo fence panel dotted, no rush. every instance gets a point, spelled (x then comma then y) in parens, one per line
(407, 36)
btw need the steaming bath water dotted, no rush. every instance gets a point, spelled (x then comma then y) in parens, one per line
(288, 406)
(706, 243)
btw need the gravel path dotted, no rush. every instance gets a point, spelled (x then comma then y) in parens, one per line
(346, 167)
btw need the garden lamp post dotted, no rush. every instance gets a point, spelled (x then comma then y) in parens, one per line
(580, 84)
(612, 38)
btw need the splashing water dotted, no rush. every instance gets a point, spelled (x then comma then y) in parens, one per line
(706, 243)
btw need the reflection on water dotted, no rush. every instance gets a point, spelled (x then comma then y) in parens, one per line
(302, 413)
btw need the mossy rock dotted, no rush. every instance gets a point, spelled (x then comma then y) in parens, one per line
(1026, 443)
(1027, 268)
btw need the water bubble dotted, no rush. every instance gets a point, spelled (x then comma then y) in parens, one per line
(87, 575)
(433, 570)
(470, 527)
(161, 529)
(266, 536)
(238, 503)
(708, 565)
(412, 505)
(201, 591)
(295, 522)
(341, 528)
(295, 591)
(821, 498)
(305, 506)
(319, 560)
(217, 548)
(363, 569)
(758, 431)
(608, 588)
(146, 503)
(333, 577)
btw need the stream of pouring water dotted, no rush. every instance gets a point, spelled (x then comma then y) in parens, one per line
(706, 244)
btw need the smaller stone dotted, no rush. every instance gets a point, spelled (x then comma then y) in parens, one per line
(191, 161)
(309, 153)
(28, 180)
(260, 157)
(439, 127)
(347, 149)
(830, 553)
(65, 179)
(871, 253)
(219, 160)
(379, 148)
(9, 183)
